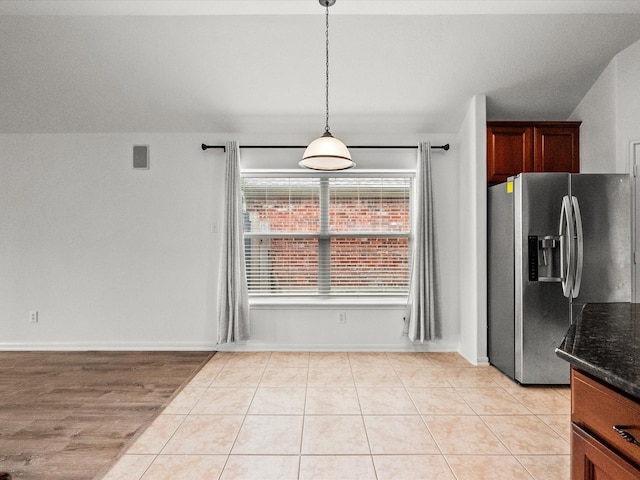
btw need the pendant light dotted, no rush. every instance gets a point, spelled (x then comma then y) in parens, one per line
(327, 152)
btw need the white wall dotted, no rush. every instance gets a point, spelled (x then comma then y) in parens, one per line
(472, 245)
(627, 103)
(369, 326)
(307, 327)
(610, 115)
(110, 257)
(597, 111)
(116, 258)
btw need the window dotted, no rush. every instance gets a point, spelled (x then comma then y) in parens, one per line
(323, 235)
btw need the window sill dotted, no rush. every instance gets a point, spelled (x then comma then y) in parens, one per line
(317, 303)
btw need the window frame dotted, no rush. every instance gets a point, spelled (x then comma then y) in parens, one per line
(324, 237)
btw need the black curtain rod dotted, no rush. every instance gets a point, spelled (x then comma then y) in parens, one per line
(433, 147)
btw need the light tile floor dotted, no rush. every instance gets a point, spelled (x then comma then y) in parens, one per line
(299, 415)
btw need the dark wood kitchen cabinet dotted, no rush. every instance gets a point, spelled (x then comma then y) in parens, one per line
(600, 415)
(516, 147)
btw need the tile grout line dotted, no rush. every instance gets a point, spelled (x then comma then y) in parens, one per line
(226, 460)
(364, 425)
(185, 416)
(304, 416)
(228, 456)
(424, 422)
(203, 364)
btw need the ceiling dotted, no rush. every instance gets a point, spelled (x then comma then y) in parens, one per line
(258, 66)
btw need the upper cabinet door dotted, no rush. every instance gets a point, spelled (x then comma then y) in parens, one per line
(516, 147)
(557, 149)
(509, 152)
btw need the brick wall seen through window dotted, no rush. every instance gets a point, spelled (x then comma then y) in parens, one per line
(327, 236)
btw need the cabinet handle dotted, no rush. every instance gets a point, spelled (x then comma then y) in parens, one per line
(622, 431)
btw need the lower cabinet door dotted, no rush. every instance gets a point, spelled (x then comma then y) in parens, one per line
(591, 460)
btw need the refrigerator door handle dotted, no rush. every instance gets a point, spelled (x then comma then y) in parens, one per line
(575, 291)
(567, 234)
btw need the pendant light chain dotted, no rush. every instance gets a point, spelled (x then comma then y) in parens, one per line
(327, 152)
(326, 128)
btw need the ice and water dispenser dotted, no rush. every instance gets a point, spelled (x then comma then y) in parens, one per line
(544, 258)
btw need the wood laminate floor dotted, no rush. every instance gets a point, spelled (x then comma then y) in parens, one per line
(69, 415)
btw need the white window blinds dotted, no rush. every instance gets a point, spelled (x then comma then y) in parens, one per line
(322, 235)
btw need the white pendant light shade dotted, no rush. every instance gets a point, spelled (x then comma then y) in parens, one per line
(326, 153)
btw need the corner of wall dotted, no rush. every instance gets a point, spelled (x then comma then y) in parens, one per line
(472, 247)
(481, 228)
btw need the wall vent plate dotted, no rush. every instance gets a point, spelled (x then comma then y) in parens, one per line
(141, 157)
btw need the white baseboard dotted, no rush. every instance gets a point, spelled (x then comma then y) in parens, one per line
(475, 360)
(108, 346)
(256, 347)
(235, 347)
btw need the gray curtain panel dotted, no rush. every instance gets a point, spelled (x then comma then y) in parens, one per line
(233, 303)
(422, 324)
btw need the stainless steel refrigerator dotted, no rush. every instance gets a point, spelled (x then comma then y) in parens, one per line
(556, 241)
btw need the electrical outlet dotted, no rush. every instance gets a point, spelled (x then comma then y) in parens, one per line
(33, 316)
(342, 317)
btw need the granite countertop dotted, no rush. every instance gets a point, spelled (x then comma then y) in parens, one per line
(605, 342)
